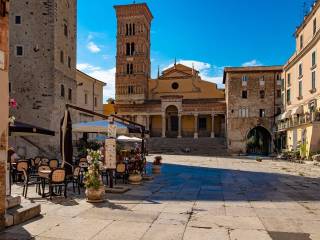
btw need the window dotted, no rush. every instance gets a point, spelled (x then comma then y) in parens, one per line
(301, 41)
(262, 93)
(175, 86)
(314, 26)
(130, 29)
(85, 98)
(70, 94)
(278, 76)
(65, 30)
(278, 93)
(69, 62)
(62, 93)
(243, 112)
(282, 84)
(18, 19)
(289, 79)
(95, 102)
(61, 57)
(130, 89)
(132, 49)
(202, 123)
(127, 30)
(133, 29)
(288, 96)
(262, 113)
(300, 89)
(314, 60)
(19, 50)
(131, 68)
(244, 94)
(128, 49)
(300, 70)
(313, 80)
(244, 78)
(261, 81)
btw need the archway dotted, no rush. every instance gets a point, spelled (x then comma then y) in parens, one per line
(172, 121)
(259, 141)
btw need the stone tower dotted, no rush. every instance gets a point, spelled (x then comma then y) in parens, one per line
(42, 71)
(133, 53)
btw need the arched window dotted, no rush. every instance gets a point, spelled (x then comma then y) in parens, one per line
(130, 29)
(133, 29)
(61, 56)
(127, 30)
(131, 68)
(128, 68)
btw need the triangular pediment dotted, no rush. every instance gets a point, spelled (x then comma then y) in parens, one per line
(178, 70)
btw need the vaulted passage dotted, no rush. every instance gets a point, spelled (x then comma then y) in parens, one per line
(259, 141)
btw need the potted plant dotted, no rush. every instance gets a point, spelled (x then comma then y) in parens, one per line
(95, 190)
(156, 166)
(135, 177)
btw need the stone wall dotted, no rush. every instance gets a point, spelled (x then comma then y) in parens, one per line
(238, 126)
(36, 77)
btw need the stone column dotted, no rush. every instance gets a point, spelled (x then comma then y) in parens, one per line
(196, 135)
(179, 126)
(212, 125)
(163, 125)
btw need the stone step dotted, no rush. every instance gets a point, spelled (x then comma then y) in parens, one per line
(13, 201)
(22, 213)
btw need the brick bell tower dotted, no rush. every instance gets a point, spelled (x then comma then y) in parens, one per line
(133, 65)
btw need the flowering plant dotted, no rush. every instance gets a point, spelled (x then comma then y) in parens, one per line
(11, 120)
(92, 177)
(13, 103)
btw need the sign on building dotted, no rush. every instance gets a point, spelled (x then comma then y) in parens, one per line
(112, 130)
(2, 60)
(110, 153)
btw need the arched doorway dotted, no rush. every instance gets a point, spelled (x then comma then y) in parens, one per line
(172, 121)
(259, 141)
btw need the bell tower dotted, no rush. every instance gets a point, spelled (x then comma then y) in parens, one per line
(133, 64)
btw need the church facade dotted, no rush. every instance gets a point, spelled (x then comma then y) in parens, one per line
(178, 103)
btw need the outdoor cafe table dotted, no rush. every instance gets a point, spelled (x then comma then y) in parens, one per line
(44, 175)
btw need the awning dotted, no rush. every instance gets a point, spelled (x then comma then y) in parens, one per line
(20, 129)
(298, 110)
(128, 139)
(102, 127)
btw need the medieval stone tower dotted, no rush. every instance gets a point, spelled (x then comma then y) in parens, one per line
(133, 53)
(42, 71)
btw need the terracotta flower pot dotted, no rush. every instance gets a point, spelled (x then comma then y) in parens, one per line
(135, 179)
(156, 169)
(95, 195)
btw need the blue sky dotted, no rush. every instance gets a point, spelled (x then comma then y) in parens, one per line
(211, 34)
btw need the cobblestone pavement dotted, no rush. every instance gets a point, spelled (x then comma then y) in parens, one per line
(194, 198)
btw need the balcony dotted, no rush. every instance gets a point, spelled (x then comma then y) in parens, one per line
(297, 121)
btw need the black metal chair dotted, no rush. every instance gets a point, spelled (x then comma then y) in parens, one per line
(121, 172)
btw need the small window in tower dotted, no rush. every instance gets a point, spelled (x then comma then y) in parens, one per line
(62, 90)
(131, 68)
(132, 49)
(128, 49)
(18, 19)
(127, 30)
(244, 94)
(19, 50)
(61, 56)
(133, 29)
(69, 62)
(70, 94)
(262, 93)
(65, 30)
(175, 85)
(130, 29)
(128, 68)
(262, 113)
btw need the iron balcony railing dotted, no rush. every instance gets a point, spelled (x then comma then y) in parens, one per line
(297, 121)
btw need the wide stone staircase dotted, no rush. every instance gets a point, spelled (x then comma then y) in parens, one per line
(188, 146)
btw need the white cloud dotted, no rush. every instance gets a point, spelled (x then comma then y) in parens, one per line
(207, 72)
(104, 75)
(93, 47)
(252, 63)
(87, 67)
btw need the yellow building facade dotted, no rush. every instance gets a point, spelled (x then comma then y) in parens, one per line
(299, 124)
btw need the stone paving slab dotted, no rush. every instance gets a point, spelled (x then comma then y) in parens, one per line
(193, 198)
